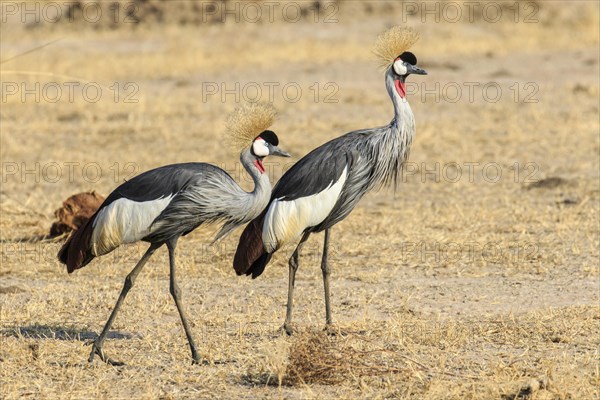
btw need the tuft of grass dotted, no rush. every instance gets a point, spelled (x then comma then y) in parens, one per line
(322, 358)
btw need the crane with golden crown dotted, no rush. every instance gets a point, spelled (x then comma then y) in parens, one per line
(323, 187)
(161, 205)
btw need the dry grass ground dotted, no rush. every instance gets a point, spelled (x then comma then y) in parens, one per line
(461, 285)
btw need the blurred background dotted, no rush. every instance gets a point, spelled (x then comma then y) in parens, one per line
(151, 82)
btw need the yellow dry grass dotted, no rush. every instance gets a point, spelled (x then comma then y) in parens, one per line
(478, 279)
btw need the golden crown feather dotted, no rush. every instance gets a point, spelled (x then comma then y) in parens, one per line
(393, 42)
(248, 121)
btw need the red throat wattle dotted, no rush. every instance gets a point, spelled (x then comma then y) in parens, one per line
(259, 165)
(401, 88)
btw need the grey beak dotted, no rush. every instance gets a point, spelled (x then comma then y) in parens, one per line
(276, 151)
(416, 70)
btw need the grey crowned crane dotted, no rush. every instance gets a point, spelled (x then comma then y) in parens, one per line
(161, 205)
(322, 188)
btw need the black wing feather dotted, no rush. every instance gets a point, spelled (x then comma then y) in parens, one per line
(315, 171)
(160, 182)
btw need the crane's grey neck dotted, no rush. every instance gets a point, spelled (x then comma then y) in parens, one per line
(392, 143)
(261, 194)
(400, 103)
(240, 206)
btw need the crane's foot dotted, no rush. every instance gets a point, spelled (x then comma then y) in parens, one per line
(199, 361)
(288, 328)
(334, 330)
(97, 350)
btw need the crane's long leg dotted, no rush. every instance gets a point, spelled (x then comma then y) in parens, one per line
(129, 282)
(176, 293)
(326, 271)
(293, 267)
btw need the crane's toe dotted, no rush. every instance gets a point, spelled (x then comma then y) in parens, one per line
(100, 353)
(288, 328)
(200, 361)
(334, 330)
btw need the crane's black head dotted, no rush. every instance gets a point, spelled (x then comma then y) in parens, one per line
(266, 144)
(269, 137)
(409, 57)
(406, 64)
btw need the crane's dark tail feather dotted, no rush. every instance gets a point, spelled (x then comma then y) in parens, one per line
(259, 265)
(76, 252)
(250, 256)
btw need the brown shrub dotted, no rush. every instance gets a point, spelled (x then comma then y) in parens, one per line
(318, 357)
(75, 211)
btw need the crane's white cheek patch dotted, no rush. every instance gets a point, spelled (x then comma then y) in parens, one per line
(259, 147)
(400, 68)
(286, 220)
(124, 221)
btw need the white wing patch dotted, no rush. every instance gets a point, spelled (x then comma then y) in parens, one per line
(124, 221)
(287, 219)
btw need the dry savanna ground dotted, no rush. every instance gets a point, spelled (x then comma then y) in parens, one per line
(477, 279)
